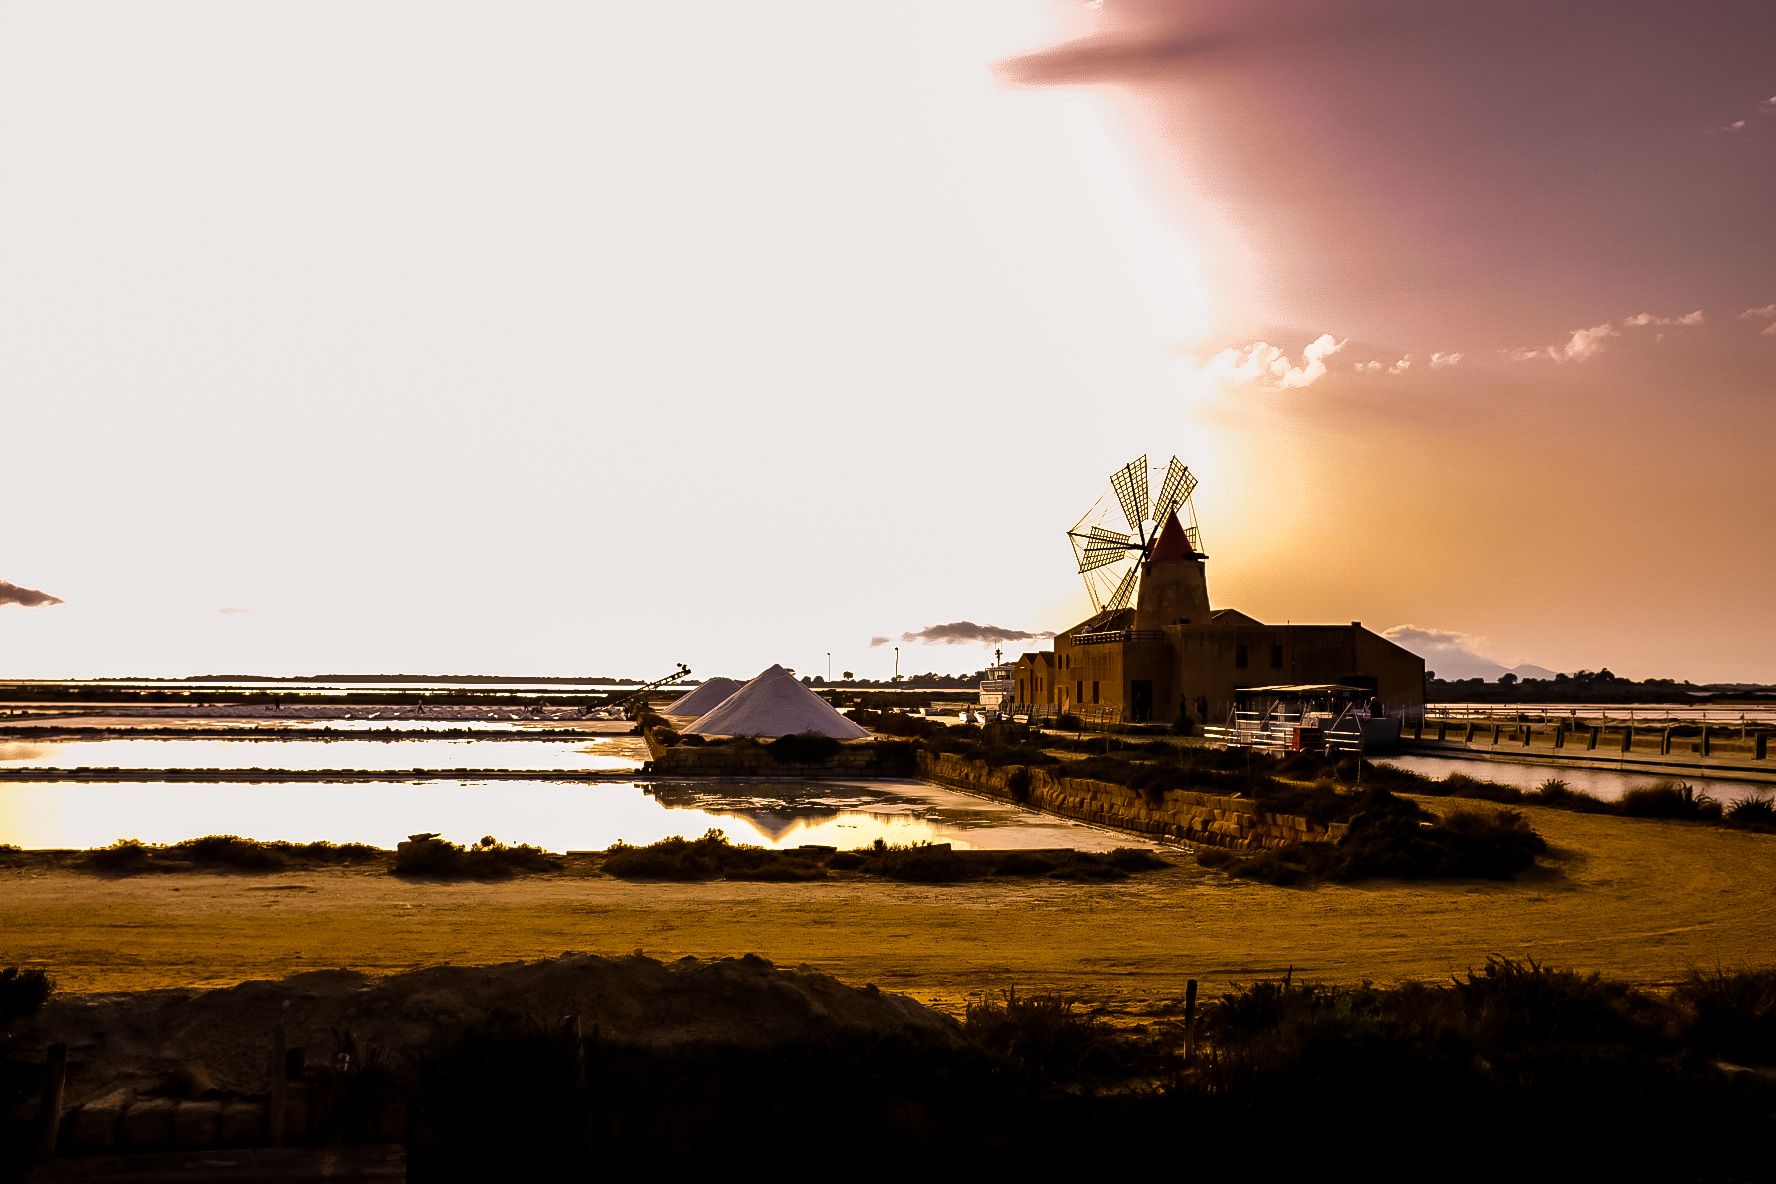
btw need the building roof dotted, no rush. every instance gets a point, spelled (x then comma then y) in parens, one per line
(775, 704)
(1232, 616)
(1174, 543)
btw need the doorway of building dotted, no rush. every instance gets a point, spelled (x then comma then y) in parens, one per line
(1141, 699)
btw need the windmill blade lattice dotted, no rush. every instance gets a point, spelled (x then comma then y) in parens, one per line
(1125, 591)
(1174, 491)
(1102, 548)
(1130, 484)
(1110, 561)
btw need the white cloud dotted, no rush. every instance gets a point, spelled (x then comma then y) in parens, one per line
(1266, 365)
(1446, 652)
(1583, 345)
(1366, 367)
(1401, 366)
(1440, 360)
(1768, 310)
(1647, 318)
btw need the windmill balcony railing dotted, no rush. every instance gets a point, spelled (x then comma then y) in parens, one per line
(1118, 635)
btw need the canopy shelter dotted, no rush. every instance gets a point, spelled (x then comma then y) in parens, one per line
(775, 704)
(704, 699)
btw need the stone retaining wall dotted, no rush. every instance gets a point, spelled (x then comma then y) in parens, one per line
(855, 758)
(1179, 816)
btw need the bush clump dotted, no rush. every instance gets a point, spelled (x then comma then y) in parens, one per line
(132, 855)
(1389, 836)
(708, 858)
(1757, 814)
(490, 859)
(1668, 799)
(939, 863)
(803, 748)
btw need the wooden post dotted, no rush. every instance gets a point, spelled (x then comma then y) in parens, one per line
(1526, 735)
(1442, 729)
(55, 1077)
(1496, 728)
(1189, 1019)
(1596, 735)
(1664, 743)
(1702, 748)
(277, 1106)
(1760, 746)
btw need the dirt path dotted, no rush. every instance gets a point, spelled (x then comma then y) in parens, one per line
(1637, 899)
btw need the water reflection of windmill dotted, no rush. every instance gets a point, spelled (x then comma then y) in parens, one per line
(1110, 560)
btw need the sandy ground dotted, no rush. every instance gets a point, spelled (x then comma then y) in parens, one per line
(1636, 899)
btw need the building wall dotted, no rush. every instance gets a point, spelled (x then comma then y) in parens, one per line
(1033, 678)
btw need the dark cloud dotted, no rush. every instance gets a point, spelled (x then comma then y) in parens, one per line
(1408, 171)
(27, 597)
(965, 633)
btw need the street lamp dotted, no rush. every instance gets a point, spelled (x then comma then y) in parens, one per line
(896, 663)
(828, 665)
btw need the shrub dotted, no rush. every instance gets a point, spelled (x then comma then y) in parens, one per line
(1668, 799)
(665, 737)
(1731, 1013)
(231, 850)
(429, 855)
(803, 748)
(1047, 1038)
(122, 855)
(1390, 837)
(678, 858)
(1753, 814)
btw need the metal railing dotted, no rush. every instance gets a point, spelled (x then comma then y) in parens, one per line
(1119, 635)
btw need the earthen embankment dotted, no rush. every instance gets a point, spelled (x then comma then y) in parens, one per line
(1179, 816)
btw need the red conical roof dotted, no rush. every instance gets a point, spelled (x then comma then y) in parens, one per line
(1173, 543)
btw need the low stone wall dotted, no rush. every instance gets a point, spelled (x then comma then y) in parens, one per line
(855, 758)
(1178, 816)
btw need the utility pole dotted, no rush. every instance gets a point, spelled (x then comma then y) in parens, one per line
(896, 663)
(828, 665)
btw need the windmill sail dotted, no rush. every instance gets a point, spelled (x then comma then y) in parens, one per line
(1125, 591)
(1174, 491)
(1130, 484)
(1102, 548)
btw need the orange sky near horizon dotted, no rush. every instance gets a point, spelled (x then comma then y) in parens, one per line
(558, 339)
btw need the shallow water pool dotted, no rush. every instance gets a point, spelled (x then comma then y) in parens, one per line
(557, 816)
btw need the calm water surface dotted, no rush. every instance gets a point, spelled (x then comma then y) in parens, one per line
(400, 755)
(554, 815)
(1603, 783)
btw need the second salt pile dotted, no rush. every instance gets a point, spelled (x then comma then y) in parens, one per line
(704, 699)
(775, 704)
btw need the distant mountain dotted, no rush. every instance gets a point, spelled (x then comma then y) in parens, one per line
(1527, 671)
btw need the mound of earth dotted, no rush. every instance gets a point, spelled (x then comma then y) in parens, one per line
(139, 1040)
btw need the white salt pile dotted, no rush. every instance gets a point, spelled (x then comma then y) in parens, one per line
(775, 704)
(704, 699)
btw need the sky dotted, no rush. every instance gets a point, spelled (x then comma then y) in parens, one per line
(552, 338)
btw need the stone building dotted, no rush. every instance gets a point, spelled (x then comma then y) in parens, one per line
(1172, 654)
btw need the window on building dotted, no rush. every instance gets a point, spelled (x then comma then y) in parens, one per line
(1239, 656)
(1276, 657)
(1094, 692)
(1079, 691)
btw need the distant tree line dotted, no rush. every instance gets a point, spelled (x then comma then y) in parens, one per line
(1583, 686)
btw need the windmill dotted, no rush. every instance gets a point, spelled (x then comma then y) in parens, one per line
(1110, 559)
